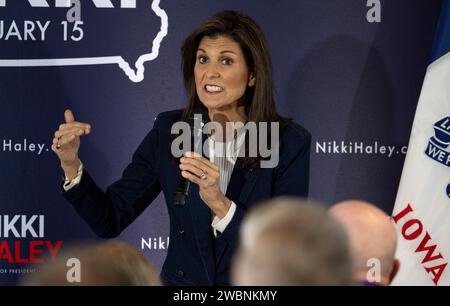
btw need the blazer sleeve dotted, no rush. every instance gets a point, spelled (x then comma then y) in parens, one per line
(109, 213)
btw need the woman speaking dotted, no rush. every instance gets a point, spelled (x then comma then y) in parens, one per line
(227, 73)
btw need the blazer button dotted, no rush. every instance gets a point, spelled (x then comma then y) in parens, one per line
(180, 273)
(181, 231)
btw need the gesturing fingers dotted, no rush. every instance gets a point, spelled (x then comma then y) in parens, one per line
(62, 144)
(68, 115)
(65, 140)
(80, 125)
(74, 131)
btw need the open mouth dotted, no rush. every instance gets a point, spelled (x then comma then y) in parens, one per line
(213, 89)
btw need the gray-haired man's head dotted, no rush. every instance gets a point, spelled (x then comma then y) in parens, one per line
(291, 242)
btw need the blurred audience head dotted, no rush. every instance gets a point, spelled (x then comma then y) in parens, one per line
(373, 241)
(289, 241)
(112, 263)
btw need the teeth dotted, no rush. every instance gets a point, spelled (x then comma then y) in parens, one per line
(213, 88)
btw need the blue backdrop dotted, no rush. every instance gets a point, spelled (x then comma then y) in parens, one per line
(353, 84)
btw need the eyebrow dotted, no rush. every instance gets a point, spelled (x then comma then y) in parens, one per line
(221, 52)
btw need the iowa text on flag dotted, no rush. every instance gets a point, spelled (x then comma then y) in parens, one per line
(422, 207)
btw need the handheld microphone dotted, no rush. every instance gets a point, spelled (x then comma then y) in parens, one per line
(196, 122)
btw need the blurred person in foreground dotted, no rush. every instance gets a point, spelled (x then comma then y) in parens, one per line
(373, 240)
(291, 242)
(112, 263)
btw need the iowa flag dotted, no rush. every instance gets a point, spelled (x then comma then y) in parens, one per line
(422, 206)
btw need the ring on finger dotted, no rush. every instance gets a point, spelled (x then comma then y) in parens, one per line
(58, 146)
(202, 176)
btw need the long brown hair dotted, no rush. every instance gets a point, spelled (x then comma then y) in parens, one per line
(259, 99)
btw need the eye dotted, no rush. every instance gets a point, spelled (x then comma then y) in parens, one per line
(202, 59)
(227, 61)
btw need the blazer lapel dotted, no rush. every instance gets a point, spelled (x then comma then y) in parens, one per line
(241, 184)
(239, 188)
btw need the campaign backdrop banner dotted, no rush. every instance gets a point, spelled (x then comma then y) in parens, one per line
(350, 71)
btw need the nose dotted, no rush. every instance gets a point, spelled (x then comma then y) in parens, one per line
(212, 72)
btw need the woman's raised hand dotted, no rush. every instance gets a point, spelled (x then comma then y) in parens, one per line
(66, 143)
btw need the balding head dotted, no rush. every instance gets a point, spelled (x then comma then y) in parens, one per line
(372, 234)
(291, 242)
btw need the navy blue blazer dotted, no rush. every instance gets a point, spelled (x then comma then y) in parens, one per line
(194, 256)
